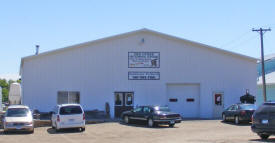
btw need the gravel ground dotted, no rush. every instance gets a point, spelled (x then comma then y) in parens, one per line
(196, 131)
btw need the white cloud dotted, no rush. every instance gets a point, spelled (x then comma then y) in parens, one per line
(9, 76)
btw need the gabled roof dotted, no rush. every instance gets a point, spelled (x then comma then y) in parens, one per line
(135, 32)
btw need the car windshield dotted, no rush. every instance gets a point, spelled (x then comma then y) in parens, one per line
(248, 107)
(159, 108)
(17, 112)
(68, 110)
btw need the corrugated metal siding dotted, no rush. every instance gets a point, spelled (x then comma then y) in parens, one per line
(100, 69)
(270, 94)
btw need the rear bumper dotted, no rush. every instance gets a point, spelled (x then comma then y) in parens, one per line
(167, 121)
(266, 130)
(19, 128)
(66, 126)
(245, 118)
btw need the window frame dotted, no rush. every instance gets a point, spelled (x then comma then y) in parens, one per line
(68, 97)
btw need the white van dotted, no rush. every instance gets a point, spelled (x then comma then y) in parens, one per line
(68, 116)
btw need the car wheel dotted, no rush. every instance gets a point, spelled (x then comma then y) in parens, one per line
(82, 129)
(171, 125)
(264, 136)
(223, 118)
(56, 129)
(32, 131)
(126, 119)
(237, 120)
(150, 122)
(53, 126)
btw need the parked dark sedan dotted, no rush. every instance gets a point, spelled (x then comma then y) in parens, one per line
(238, 113)
(263, 120)
(153, 115)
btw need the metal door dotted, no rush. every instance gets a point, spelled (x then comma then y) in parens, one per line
(218, 104)
(124, 101)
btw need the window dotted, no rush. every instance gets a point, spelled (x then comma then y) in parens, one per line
(69, 110)
(118, 98)
(129, 99)
(146, 110)
(139, 109)
(65, 97)
(234, 108)
(173, 100)
(17, 112)
(190, 99)
(218, 99)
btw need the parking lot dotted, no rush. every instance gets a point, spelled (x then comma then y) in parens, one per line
(197, 131)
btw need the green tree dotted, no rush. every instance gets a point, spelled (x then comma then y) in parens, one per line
(6, 87)
(5, 95)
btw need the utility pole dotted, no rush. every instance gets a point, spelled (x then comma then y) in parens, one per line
(262, 31)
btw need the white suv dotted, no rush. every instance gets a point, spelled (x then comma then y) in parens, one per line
(68, 116)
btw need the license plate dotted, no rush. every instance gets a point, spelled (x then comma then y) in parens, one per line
(264, 121)
(172, 122)
(71, 120)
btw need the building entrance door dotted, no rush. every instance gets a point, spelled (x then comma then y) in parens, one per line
(218, 104)
(124, 101)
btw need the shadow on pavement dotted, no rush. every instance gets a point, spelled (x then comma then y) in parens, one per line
(260, 140)
(143, 125)
(232, 123)
(15, 133)
(63, 131)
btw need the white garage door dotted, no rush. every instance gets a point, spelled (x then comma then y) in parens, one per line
(184, 99)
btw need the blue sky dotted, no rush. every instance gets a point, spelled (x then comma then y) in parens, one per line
(58, 23)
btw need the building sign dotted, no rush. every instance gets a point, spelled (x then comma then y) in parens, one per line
(136, 75)
(143, 59)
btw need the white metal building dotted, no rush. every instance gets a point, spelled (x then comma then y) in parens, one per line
(142, 67)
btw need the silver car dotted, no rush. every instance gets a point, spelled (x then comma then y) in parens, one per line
(18, 118)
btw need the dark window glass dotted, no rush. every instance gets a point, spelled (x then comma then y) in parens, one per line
(68, 110)
(62, 97)
(190, 99)
(146, 110)
(139, 109)
(17, 112)
(235, 107)
(173, 99)
(118, 98)
(129, 99)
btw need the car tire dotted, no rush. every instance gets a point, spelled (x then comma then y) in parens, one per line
(237, 120)
(150, 123)
(264, 136)
(223, 118)
(52, 125)
(6, 132)
(56, 129)
(126, 119)
(82, 129)
(171, 125)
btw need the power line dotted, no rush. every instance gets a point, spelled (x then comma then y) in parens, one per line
(235, 39)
